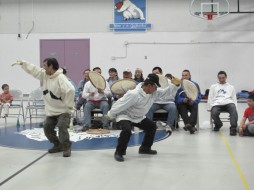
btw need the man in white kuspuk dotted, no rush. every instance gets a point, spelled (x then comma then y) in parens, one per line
(58, 95)
(222, 98)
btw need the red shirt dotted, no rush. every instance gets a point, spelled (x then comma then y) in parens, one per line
(249, 113)
(6, 97)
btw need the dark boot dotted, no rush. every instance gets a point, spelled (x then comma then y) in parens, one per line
(67, 151)
(56, 148)
(118, 157)
(145, 150)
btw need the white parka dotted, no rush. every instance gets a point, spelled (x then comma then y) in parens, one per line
(56, 84)
(134, 105)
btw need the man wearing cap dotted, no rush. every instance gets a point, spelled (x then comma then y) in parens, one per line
(127, 74)
(130, 110)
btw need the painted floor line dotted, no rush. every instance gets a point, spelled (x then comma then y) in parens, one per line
(21, 170)
(244, 181)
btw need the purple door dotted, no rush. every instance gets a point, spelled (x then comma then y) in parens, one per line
(73, 55)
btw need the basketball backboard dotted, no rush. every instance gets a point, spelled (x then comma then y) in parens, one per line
(209, 9)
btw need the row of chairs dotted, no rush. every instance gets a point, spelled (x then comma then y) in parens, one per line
(34, 107)
(161, 115)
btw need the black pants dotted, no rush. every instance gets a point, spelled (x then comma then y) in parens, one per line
(183, 110)
(146, 124)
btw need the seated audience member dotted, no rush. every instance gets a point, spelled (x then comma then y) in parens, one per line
(5, 100)
(96, 98)
(82, 101)
(113, 77)
(72, 82)
(222, 98)
(127, 74)
(247, 129)
(166, 102)
(169, 76)
(138, 77)
(186, 104)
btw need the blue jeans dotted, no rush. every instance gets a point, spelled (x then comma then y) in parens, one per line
(229, 108)
(103, 106)
(170, 108)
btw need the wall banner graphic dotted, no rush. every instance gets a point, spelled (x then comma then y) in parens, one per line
(130, 16)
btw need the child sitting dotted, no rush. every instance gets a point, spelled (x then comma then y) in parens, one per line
(247, 129)
(5, 99)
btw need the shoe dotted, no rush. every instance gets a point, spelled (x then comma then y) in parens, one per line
(216, 128)
(118, 157)
(192, 130)
(187, 127)
(168, 129)
(85, 128)
(143, 150)
(232, 132)
(56, 148)
(67, 152)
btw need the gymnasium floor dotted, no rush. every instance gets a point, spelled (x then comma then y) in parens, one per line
(203, 161)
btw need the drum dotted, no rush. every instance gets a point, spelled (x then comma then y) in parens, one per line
(97, 80)
(190, 89)
(98, 131)
(163, 81)
(120, 87)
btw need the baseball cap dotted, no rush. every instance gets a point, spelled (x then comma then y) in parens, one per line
(127, 71)
(154, 79)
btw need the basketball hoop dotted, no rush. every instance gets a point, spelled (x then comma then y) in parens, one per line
(209, 16)
(209, 9)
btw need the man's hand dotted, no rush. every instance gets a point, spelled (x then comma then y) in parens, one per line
(241, 131)
(191, 102)
(108, 118)
(175, 81)
(18, 62)
(185, 100)
(100, 91)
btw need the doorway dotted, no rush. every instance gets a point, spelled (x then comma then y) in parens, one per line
(71, 54)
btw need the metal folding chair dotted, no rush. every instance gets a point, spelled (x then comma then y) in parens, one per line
(35, 107)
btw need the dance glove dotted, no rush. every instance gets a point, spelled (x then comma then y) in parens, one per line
(175, 81)
(18, 62)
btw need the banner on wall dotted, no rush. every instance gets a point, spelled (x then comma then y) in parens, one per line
(130, 16)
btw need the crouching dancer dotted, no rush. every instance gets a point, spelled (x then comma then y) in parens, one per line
(58, 95)
(130, 110)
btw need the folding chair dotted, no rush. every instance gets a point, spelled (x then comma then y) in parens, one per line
(35, 106)
(160, 115)
(17, 104)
